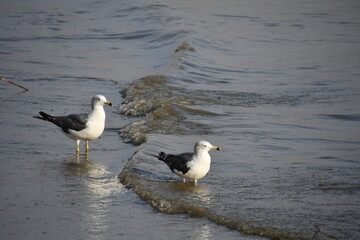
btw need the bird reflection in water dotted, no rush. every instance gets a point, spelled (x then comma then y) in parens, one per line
(95, 187)
(195, 194)
(195, 191)
(204, 232)
(78, 165)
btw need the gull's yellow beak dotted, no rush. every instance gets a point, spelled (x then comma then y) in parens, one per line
(215, 148)
(108, 103)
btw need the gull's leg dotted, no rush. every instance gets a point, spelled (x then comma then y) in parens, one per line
(195, 182)
(77, 146)
(184, 180)
(86, 146)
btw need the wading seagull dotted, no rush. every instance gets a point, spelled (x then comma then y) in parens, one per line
(190, 166)
(81, 126)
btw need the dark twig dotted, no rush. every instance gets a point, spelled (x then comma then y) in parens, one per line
(4, 79)
(317, 230)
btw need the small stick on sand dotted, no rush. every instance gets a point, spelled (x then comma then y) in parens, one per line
(318, 230)
(4, 79)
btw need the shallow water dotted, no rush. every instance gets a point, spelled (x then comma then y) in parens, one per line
(275, 84)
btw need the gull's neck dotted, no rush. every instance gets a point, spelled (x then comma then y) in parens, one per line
(98, 110)
(202, 153)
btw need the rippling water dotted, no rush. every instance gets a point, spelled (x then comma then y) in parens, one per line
(274, 83)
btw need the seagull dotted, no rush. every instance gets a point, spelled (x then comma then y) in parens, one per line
(81, 126)
(190, 166)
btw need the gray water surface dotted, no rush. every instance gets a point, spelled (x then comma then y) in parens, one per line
(275, 84)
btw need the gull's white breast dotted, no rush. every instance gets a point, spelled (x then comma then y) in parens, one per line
(199, 167)
(94, 127)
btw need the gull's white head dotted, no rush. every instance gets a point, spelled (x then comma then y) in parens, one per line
(99, 100)
(204, 146)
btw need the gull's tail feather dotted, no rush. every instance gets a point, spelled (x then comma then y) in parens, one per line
(45, 117)
(161, 156)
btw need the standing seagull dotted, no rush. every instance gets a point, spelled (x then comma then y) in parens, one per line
(191, 166)
(81, 126)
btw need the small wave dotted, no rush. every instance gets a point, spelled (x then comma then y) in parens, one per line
(335, 186)
(166, 109)
(184, 46)
(153, 92)
(163, 108)
(170, 35)
(344, 117)
(146, 95)
(143, 8)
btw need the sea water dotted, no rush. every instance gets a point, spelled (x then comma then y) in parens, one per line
(275, 84)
